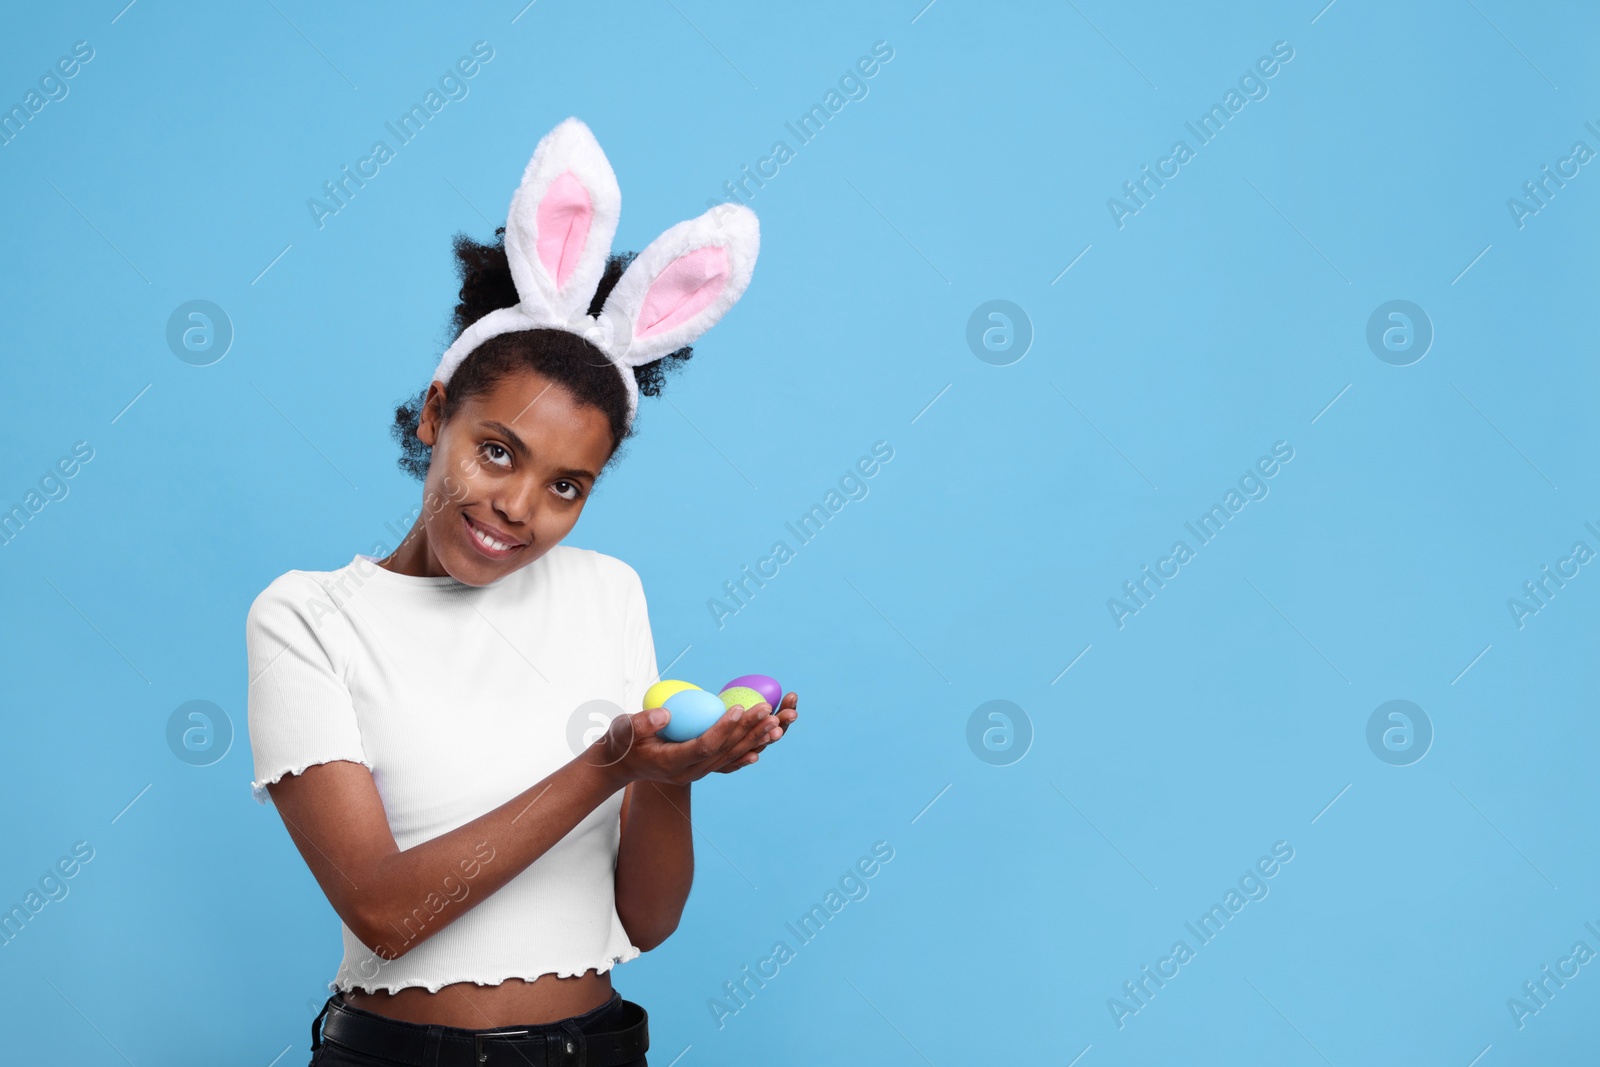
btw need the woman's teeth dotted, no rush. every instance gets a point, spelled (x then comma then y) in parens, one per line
(485, 539)
(491, 542)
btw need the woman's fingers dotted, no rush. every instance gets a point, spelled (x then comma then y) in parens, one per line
(732, 743)
(757, 721)
(762, 731)
(780, 723)
(718, 736)
(771, 730)
(742, 762)
(726, 739)
(751, 733)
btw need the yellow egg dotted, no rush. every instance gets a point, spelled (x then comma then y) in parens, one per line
(657, 694)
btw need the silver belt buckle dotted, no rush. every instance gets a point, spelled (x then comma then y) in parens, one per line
(478, 1039)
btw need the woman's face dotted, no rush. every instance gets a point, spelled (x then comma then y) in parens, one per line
(515, 467)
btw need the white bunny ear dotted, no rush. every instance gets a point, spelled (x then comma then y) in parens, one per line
(682, 284)
(562, 219)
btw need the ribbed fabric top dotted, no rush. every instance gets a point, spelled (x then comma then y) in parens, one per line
(458, 698)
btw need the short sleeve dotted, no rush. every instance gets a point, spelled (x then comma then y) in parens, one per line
(299, 708)
(638, 644)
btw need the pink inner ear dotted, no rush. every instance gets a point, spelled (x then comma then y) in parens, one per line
(682, 290)
(563, 219)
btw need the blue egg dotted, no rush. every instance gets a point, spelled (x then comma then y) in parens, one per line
(694, 711)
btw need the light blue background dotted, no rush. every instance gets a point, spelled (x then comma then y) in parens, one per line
(1225, 316)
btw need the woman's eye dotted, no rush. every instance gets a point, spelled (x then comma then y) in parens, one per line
(490, 448)
(576, 490)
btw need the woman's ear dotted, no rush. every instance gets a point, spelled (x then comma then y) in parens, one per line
(432, 413)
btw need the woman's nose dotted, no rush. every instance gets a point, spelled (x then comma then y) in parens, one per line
(519, 502)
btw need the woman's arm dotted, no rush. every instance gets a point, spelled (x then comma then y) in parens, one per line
(391, 899)
(655, 861)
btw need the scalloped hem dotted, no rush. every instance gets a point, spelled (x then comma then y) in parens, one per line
(633, 952)
(258, 789)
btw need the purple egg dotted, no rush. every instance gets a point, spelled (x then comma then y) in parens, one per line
(769, 688)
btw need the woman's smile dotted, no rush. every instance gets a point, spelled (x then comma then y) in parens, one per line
(493, 542)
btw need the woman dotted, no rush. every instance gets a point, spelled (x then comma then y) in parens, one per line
(442, 730)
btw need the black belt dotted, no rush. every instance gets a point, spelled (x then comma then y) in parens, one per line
(420, 1045)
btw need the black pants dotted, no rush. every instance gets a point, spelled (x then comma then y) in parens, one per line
(612, 1015)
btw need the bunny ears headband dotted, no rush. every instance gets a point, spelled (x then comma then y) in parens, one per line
(558, 236)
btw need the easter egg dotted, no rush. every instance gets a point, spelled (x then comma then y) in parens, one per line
(694, 711)
(769, 688)
(741, 695)
(656, 696)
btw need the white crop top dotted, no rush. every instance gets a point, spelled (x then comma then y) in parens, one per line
(458, 698)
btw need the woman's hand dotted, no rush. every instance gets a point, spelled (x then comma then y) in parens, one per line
(633, 751)
(788, 712)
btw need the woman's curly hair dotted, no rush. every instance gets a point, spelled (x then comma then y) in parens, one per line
(562, 356)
